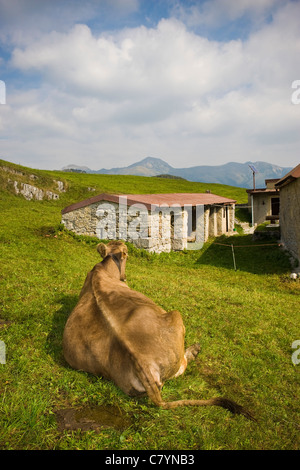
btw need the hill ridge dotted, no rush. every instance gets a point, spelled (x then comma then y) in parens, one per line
(230, 173)
(72, 187)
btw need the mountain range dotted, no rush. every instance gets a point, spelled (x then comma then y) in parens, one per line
(232, 173)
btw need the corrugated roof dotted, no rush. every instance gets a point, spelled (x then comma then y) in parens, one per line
(181, 199)
(289, 177)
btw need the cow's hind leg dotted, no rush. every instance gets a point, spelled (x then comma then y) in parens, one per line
(189, 355)
(192, 352)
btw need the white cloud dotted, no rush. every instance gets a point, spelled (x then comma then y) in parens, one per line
(161, 63)
(162, 91)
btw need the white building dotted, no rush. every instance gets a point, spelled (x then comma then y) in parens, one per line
(155, 222)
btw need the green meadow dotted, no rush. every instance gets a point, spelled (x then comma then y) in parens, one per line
(245, 320)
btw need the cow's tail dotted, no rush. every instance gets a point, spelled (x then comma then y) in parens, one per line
(229, 405)
(146, 377)
(154, 394)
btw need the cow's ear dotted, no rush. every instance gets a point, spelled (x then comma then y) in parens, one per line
(102, 249)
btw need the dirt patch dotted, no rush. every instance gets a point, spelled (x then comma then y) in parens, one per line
(92, 418)
(4, 323)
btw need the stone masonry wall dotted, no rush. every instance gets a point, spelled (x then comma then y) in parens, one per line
(151, 231)
(290, 217)
(157, 231)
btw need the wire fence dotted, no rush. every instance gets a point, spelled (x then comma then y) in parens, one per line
(247, 246)
(243, 246)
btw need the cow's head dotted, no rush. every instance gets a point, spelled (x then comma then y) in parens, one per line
(118, 251)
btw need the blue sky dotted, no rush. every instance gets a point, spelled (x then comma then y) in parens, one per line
(105, 83)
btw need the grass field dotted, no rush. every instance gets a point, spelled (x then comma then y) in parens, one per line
(245, 320)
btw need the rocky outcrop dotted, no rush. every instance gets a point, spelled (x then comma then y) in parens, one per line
(32, 192)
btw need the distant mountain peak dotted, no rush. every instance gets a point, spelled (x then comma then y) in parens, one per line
(151, 162)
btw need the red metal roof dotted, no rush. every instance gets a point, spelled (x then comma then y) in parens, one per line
(181, 199)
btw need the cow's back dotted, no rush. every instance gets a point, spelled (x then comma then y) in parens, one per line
(117, 332)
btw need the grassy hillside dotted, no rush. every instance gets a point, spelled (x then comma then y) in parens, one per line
(144, 185)
(80, 186)
(245, 320)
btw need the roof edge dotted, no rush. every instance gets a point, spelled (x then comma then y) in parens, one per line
(285, 181)
(289, 177)
(129, 201)
(262, 190)
(91, 200)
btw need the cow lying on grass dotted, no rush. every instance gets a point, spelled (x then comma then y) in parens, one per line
(120, 334)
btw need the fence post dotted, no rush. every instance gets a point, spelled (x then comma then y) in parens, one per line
(233, 256)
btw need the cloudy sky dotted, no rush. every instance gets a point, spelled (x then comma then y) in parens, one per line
(105, 83)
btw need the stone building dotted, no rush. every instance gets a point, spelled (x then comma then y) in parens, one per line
(155, 222)
(264, 203)
(289, 187)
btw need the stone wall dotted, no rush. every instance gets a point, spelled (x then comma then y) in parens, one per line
(219, 220)
(261, 206)
(82, 221)
(152, 231)
(290, 217)
(160, 230)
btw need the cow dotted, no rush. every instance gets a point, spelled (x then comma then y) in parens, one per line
(122, 335)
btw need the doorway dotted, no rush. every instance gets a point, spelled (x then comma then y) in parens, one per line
(275, 203)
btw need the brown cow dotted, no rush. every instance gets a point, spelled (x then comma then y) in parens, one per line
(120, 334)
